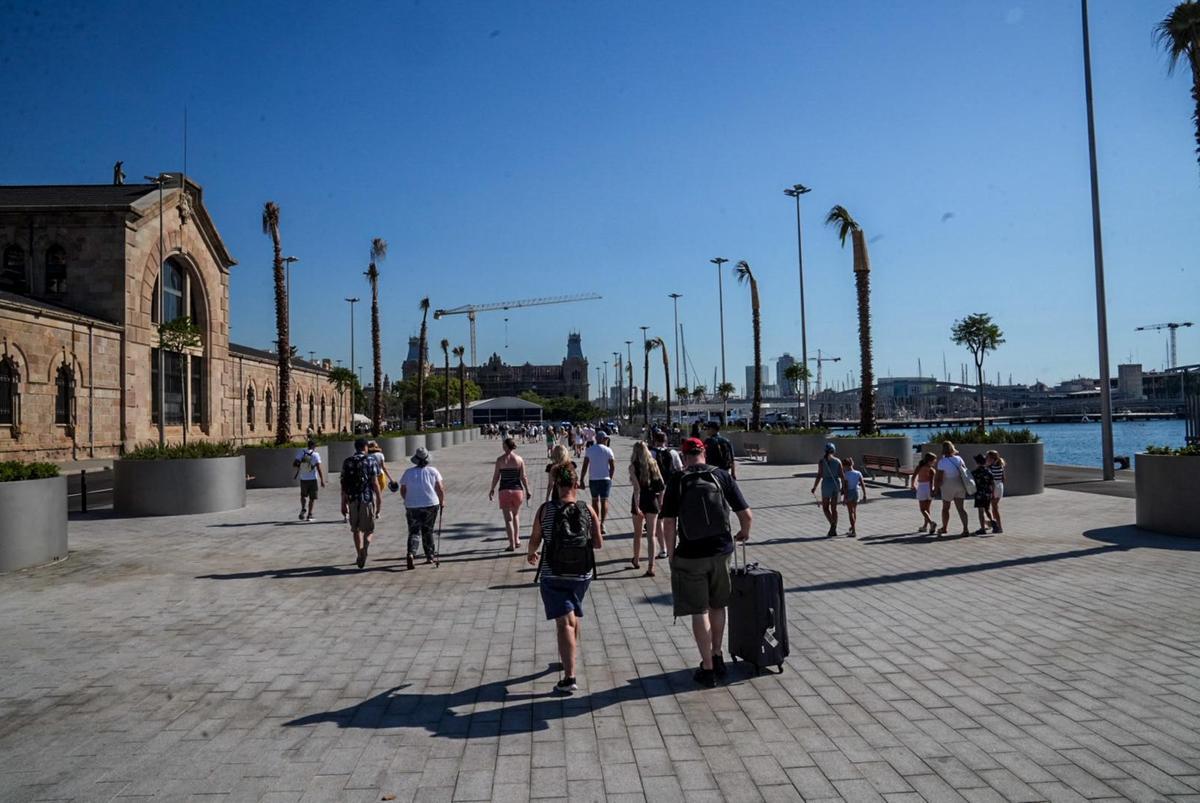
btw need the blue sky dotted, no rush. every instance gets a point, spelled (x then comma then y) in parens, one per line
(512, 150)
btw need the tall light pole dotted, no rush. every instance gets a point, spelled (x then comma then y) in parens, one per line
(795, 191)
(620, 380)
(719, 261)
(675, 297)
(1106, 433)
(353, 395)
(605, 386)
(646, 389)
(287, 282)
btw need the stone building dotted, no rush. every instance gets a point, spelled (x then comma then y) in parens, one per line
(79, 277)
(495, 378)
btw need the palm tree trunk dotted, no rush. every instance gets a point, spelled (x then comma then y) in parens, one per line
(756, 321)
(283, 422)
(646, 392)
(446, 394)
(377, 358)
(862, 284)
(1195, 57)
(667, 381)
(462, 392)
(421, 378)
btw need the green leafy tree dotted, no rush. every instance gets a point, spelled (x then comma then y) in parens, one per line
(745, 275)
(980, 335)
(1179, 36)
(846, 225)
(378, 254)
(283, 421)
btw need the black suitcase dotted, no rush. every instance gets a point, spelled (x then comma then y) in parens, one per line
(758, 632)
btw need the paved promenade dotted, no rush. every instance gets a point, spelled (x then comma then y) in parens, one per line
(242, 657)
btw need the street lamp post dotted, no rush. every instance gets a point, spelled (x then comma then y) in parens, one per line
(620, 382)
(604, 387)
(675, 297)
(719, 261)
(1106, 432)
(352, 302)
(795, 191)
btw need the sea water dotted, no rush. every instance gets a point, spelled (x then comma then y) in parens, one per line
(1078, 444)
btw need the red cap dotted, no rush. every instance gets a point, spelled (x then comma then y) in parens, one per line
(693, 446)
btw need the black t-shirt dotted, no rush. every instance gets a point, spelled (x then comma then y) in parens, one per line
(718, 451)
(707, 547)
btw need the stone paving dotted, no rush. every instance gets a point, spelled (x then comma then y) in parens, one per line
(242, 657)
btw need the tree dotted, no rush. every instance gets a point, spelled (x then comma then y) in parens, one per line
(744, 275)
(283, 421)
(1179, 36)
(342, 379)
(421, 345)
(666, 361)
(650, 345)
(699, 392)
(841, 220)
(980, 335)
(378, 254)
(445, 344)
(459, 351)
(683, 394)
(797, 373)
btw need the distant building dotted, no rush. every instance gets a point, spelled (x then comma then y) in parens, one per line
(1129, 381)
(766, 379)
(786, 386)
(495, 378)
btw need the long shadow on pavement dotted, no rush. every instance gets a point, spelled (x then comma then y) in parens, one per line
(1129, 537)
(299, 572)
(535, 711)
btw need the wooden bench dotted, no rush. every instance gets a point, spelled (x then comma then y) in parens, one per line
(883, 464)
(755, 451)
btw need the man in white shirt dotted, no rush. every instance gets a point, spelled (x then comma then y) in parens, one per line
(308, 469)
(424, 496)
(599, 465)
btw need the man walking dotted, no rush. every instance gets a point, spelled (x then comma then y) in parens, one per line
(424, 497)
(719, 450)
(599, 465)
(308, 469)
(669, 464)
(699, 542)
(360, 497)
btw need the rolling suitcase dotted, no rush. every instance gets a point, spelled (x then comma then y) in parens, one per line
(758, 632)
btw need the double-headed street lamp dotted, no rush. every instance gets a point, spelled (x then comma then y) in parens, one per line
(675, 297)
(719, 261)
(795, 191)
(352, 302)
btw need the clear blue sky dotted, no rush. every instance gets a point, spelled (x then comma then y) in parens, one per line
(510, 150)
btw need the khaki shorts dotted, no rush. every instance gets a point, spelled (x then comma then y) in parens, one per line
(362, 516)
(308, 488)
(698, 584)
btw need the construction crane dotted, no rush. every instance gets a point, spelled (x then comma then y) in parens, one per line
(471, 309)
(820, 360)
(1174, 328)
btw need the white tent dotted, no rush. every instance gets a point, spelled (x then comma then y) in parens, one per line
(359, 418)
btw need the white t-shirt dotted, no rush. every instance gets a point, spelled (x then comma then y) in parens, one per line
(949, 466)
(309, 460)
(598, 456)
(420, 486)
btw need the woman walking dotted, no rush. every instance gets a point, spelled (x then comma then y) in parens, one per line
(647, 481)
(571, 531)
(832, 478)
(948, 483)
(558, 456)
(514, 490)
(550, 442)
(922, 480)
(995, 464)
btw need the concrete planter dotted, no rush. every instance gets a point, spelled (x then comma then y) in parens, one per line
(456, 436)
(738, 439)
(272, 468)
(434, 441)
(33, 527)
(395, 449)
(1167, 501)
(1024, 463)
(179, 487)
(899, 447)
(338, 452)
(411, 442)
(791, 450)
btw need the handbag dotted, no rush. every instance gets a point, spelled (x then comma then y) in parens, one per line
(967, 480)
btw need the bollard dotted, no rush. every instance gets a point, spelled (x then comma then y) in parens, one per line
(83, 491)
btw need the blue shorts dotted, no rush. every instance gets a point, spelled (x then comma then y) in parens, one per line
(599, 488)
(830, 488)
(562, 595)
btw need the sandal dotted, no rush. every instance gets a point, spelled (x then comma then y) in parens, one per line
(649, 572)
(635, 564)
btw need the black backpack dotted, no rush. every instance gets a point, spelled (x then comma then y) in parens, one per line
(666, 466)
(354, 475)
(570, 549)
(703, 510)
(724, 453)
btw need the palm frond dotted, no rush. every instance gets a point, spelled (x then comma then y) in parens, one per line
(424, 305)
(743, 272)
(843, 221)
(445, 344)
(1179, 34)
(270, 216)
(652, 343)
(378, 249)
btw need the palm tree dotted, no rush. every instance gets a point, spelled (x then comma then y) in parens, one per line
(725, 391)
(650, 345)
(666, 358)
(342, 379)
(699, 392)
(682, 393)
(630, 385)
(378, 254)
(424, 305)
(283, 421)
(445, 344)
(841, 220)
(459, 351)
(744, 274)
(1179, 35)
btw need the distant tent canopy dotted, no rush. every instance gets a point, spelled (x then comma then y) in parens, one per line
(502, 409)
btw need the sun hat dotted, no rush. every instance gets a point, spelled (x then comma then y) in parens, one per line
(421, 456)
(692, 446)
(830, 448)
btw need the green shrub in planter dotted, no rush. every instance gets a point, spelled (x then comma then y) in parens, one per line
(797, 431)
(273, 445)
(16, 471)
(178, 451)
(1191, 450)
(994, 436)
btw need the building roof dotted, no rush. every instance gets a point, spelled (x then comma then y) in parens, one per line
(58, 196)
(503, 403)
(270, 356)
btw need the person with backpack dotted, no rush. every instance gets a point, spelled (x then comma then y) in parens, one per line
(695, 511)
(719, 450)
(360, 496)
(308, 469)
(648, 487)
(669, 464)
(571, 532)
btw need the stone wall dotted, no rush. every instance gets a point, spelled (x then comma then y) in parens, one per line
(261, 375)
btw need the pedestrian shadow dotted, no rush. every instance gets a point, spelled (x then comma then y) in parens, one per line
(271, 523)
(1129, 536)
(506, 712)
(299, 572)
(911, 538)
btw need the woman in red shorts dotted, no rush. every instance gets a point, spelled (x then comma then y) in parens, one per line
(514, 491)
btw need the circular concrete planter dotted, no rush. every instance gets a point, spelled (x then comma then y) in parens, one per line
(1024, 463)
(434, 441)
(33, 529)
(395, 449)
(411, 442)
(179, 487)
(899, 447)
(738, 439)
(791, 450)
(1167, 501)
(338, 452)
(456, 436)
(272, 468)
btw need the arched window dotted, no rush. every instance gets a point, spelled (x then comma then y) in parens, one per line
(269, 403)
(10, 401)
(184, 375)
(322, 412)
(250, 408)
(311, 409)
(12, 270)
(64, 397)
(56, 271)
(299, 411)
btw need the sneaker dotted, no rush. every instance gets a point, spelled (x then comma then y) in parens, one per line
(982, 531)
(302, 512)
(566, 686)
(832, 532)
(705, 677)
(997, 529)
(309, 516)
(662, 554)
(719, 668)
(361, 560)
(411, 564)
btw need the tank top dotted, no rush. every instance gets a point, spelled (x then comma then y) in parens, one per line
(510, 479)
